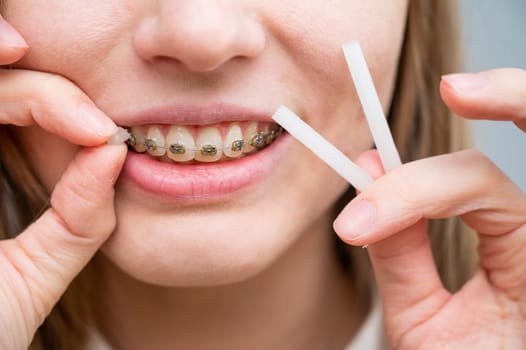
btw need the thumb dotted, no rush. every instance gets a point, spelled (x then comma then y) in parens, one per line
(403, 263)
(53, 250)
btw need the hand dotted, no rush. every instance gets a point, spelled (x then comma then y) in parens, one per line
(489, 312)
(38, 265)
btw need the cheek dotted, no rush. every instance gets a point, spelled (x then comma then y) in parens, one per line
(66, 37)
(313, 35)
(315, 31)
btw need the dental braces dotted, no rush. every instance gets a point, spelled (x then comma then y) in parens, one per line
(259, 140)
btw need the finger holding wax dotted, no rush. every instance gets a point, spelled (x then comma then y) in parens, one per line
(390, 217)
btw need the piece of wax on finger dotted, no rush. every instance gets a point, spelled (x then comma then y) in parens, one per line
(121, 136)
(371, 106)
(334, 158)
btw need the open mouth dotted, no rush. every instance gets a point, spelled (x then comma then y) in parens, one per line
(199, 154)
(193, 144)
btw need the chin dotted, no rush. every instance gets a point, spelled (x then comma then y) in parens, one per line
(208, 246)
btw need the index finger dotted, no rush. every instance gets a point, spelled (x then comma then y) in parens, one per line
(55, 104)
(462, 184)
(498, 94)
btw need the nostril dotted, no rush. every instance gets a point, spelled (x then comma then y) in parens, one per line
(208, 52)
(199, 35)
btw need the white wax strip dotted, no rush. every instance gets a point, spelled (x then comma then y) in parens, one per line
(120, 136)
(322, 148)
(371, 106)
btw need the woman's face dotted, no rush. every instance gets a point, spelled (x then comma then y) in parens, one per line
(201, 72)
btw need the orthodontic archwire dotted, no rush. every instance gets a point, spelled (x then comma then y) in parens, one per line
(259, 140)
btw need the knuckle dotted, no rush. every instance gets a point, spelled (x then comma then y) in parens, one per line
(516, 72)
(479, 162)
(481, 169)
(52, 89)
(519, 72)
(49, 95)
(474, 154)
(517, 83)
(408, 192)
(51, 82)
(469, 175)
(487, 182)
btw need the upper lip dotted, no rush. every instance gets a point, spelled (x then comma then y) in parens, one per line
(192, 115)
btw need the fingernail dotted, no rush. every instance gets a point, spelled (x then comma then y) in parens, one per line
(96, 120)
(466, 82)
(10, 37)
(356, 220)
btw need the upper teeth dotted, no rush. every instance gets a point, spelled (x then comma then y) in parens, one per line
(205, 143)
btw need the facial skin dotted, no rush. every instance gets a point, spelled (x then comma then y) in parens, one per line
(135, 55)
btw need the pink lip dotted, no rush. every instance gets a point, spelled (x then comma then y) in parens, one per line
(192, 115)
(201, 182)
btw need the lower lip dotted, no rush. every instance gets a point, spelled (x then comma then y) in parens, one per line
(203, 181)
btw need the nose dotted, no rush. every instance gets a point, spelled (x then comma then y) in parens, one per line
(202, 35)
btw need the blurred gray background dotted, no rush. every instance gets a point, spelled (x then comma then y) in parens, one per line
(493, 37)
